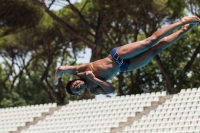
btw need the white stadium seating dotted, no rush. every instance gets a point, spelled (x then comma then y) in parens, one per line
(179, 114)
(95, 116)
(11, 118)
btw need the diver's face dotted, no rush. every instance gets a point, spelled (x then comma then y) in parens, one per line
(77, 86)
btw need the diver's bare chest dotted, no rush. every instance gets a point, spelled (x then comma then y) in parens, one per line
(104, 71)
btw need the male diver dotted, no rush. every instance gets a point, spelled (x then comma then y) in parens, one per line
(94, 75)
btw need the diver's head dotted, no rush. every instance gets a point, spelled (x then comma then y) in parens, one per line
(75, 86)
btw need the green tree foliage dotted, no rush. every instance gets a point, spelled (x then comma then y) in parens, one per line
(17, 15)
(30, 58)
(37, 40)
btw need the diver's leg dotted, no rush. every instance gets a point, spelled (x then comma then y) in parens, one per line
(145, 57)
(130, 50)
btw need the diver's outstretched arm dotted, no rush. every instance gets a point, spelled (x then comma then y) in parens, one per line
(64, 69)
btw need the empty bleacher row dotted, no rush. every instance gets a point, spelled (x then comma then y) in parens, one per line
(94, 116)
(11, 118)
(179, 114)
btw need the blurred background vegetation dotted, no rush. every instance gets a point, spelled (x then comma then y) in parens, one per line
(35, 39)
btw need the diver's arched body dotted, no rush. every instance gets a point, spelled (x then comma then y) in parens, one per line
(128, 57)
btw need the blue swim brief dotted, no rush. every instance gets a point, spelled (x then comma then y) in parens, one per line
(123, 64)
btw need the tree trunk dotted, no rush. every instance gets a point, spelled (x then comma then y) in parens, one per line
(165, 74)
(120, 85)
(187, 67)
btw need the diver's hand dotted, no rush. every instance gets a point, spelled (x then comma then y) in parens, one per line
(90, 75)
(86, 75)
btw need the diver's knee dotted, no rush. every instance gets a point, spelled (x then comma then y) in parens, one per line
(149, 42)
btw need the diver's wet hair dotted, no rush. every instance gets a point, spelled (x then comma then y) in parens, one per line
(68, 87)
